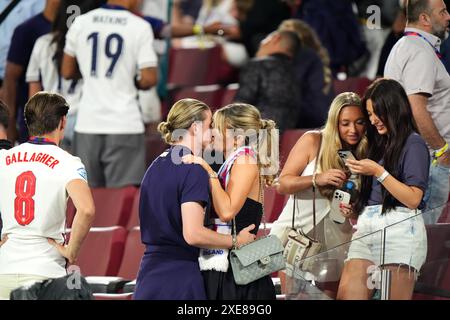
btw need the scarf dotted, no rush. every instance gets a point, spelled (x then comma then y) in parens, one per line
(217, 259)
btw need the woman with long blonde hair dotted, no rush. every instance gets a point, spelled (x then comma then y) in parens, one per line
(314, 162)
(249, 144)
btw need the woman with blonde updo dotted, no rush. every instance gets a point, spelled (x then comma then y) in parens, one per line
(249, 144)
(173, 199)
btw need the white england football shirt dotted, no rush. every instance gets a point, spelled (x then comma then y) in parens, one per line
(110, 44)
(33, 203)
(42, 68)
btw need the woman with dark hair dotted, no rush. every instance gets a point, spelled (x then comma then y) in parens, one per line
(394, 180)
(43, 73)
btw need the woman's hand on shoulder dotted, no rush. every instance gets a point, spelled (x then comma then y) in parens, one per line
(333, 177)
(191, 159)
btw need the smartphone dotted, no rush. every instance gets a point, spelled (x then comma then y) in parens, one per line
(339, 197)
(345, 155)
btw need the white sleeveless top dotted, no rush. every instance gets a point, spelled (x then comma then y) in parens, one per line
(304, 208)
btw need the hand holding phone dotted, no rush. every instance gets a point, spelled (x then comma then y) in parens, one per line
(345, 155)
(339, 197)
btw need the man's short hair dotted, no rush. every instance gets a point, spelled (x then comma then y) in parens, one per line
(44, 111)
(290, 41)
(4, 115)
(415, 8)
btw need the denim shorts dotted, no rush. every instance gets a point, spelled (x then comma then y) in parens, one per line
(396, 237)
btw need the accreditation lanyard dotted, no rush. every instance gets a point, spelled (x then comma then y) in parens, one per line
(415, 34)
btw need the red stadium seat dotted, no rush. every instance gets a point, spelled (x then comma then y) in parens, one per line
(445, 215)
(357, 85)
(113, 205)
(154, 146)
(129, 266)
(101, 252)
(273, 203)
(434, 280)
(134, 217)
(210, 94)
(191, 67)
(229, 94)
(134, 250)
(288, 140)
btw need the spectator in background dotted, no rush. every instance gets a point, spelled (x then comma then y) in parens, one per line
(14, 86)
(189, 9)
(43, 73)
(415, 62)
(22, 11)
(257, 19)
(396, 34)
(213, 16)
(445, 47)
(268, 81)
(338, 29)
(313, 75)
(376, 18)
(110, 45)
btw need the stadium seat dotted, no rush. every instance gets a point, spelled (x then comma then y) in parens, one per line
(273, 203)
(191, 67)
(113, 205)
(134, 250)
(445, 215)
(288, 140)
(129, 287)
(229, 94)
(434, 280)
(116, 296)
(134, 215)
(102, 251)
(129, 266)
(209, 94)
(357, 85)
(154, 146)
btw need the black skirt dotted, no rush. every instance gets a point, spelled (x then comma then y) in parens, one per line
(221, 286)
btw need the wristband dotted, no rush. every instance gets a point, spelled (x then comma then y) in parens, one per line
(213, 175)
(197, 29)
(438, 153)
(383, 176)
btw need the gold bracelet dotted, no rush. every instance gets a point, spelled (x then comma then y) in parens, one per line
(213, 175)
(234, 242)
(314, 179)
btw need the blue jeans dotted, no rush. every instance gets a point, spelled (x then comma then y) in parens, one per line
(437, 193)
